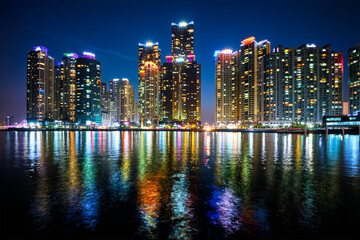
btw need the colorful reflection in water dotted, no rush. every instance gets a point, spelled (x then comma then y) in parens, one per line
(179, 185)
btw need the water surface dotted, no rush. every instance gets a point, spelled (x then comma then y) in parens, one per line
(178, 185)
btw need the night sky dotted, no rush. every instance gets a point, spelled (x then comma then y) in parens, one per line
(113, 29)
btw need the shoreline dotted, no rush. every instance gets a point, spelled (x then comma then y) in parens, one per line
(280, 131)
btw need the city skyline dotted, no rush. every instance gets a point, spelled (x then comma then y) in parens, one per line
(119, 60)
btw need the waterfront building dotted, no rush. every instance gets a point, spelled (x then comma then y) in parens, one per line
(354, 78)
(58, 91)
(300, 85)
(149, 79)
(133, 107)
(225, 92)
(40, 85)
(10, 120)
(108, 109)
(180, 94)
(124, 101)
(246, 69)
(88, 82)
(122, 94)
(68, 87)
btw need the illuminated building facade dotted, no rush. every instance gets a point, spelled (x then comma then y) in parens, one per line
(88, 82)
(123, 101)
(133, 106)
(58, 91)
(225, 95)
(107, 116)
(149, 82)
(40, 85)
(354, 78)
(68, 87)
(300, 84)
(182, 36)
(9, 120)
(180, 94)
(271, 87)
(247, 78)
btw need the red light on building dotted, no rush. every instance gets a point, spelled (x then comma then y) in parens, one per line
(248, 40)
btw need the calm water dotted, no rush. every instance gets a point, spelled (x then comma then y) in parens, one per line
(178, 185)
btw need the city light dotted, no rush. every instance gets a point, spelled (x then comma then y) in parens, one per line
(89, 55)
(248, 40)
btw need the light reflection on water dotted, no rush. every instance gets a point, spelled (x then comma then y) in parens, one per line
(180, 185)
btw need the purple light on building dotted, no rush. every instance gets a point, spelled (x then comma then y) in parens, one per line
(41, 48)
(88, 55)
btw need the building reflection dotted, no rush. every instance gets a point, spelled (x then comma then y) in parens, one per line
(91, 195)
(149, 177)
(73, 182)
(179, 184)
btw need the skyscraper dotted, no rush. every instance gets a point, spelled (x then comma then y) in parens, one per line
(181, 79)
(108, 116)
(88, 81)
(149, 77)
(182, 36)
(247, 78)
(300, 84)
(68, 86)
(124, 101)
(9, 120)
(133, 107)
(40, 85)
(354, 78)
(225, 92)
(58, 91)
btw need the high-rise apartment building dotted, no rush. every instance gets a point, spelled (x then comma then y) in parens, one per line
(180, 93)
(123, 100)
(300, 84)
(68, 87)
(149, 80)
(225, 92)
(123, 97)
(9, 120)
(246, 63)
(40, 85)
(133, 106)
(108, 109)
(182, 36)
(354, 79)
(58, 91)
(88, 82)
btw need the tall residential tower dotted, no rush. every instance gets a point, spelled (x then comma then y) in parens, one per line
(225, 92)
(40, 85)
(149, 80)
(354, 78)
(88, 81)
(247, 78)
(180, 93)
